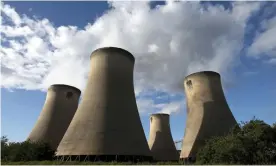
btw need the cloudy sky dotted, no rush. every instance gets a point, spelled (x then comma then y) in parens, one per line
(46, 43)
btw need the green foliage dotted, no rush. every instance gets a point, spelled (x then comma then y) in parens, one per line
(4, 148)
(25, 151)
(254, 142)
(85, 163)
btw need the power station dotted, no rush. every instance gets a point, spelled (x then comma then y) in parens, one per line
(208, 113)
(59, 108)
(107, 125)
(160, 140)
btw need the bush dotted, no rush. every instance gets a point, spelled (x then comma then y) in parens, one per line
(254, 142)
(25, 151)
(4, 148)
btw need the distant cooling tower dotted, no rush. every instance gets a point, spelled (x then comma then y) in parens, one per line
(160, 139)
(107, 125)
(58, 110)
(208, 113)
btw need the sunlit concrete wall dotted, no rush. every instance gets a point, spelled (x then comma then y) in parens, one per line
(208, 113)
(59, 108)
(107, 122)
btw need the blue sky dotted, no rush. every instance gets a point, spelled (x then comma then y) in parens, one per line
(169, 42)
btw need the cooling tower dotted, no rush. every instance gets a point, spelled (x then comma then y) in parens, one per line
(208, 113)
(160, 139)
(107, 125)
(59, 108)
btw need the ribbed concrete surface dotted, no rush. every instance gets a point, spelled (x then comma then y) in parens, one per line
(107, 121)
(160, 138)
(208, 113)
(60, 106)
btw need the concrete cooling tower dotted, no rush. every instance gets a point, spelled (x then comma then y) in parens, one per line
(160, 138)
(59, 108)
(107, 125)
(208, 113)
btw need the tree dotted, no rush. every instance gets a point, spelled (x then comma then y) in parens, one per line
(4, 148)
(25, 151)
(253, 143)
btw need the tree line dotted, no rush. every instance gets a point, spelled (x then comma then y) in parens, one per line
(252, 142)
(25, 151)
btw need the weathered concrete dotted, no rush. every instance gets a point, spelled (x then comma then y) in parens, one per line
(208, 113)
(60, 106)
(160, 138)
(107, 123)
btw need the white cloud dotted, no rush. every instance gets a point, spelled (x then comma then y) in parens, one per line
(16, 31)
(271, 61)
(11, 13)
(265, 42)
(173, 107)
(242, 10)
(168, 43)
(148, 106)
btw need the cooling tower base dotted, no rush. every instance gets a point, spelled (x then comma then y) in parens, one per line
(106, 158)
(188, 160)
(165, 161)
